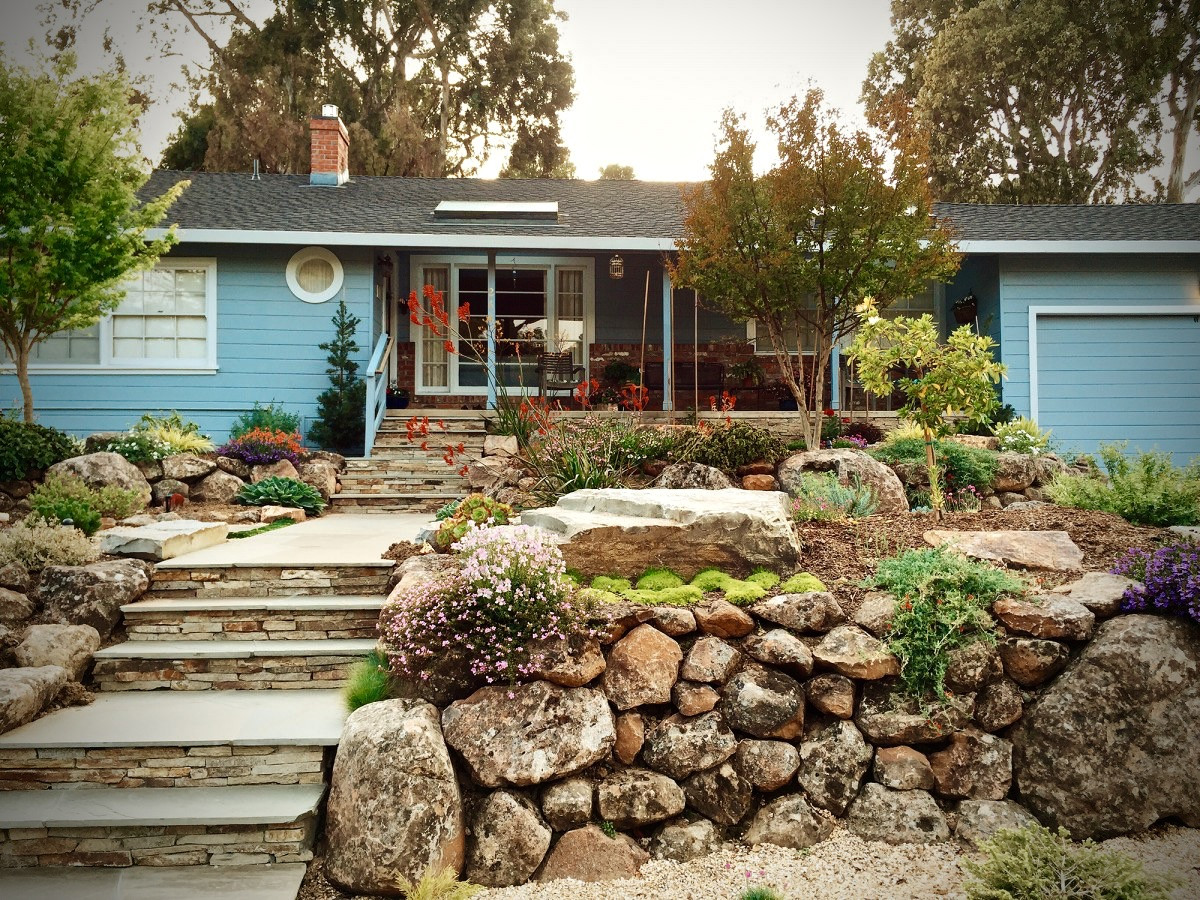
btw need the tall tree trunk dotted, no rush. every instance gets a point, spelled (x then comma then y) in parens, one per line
(1184, 119)
(22, 362)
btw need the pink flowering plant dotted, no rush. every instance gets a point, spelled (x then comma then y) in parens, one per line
(511, 594)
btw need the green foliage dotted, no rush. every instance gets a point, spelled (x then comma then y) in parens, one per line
(368, 681)
(608, 828)
(73, 226)
(37, 543)
(616, 172)
(760, 893)
(251, 532)
(276, 491)
(27, 447)
(108, 500)
(594, 452)
(1023, 436)
(942, 603)
(1148, 490)
(341, 410)
(727, 447)
(658, 579)
(438, 885)
(137, 447)
(679, 595)
(736, 591)
(179, 435)
(69, 511)
(662, 587)
(473, 511)
(267, 418)
(801, 583)
(446, 511)
(959, 466)
(822, 498)
(1035, 862)
(611, 584)
(763, 578)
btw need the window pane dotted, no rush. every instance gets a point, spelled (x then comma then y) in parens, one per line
(435, 368)
(132, 304)
(190, 281)
(127, 348)
(160, 326)
(129, 326)
(190, 304)
(315, 275)
(156, 303)
(160, 348)
(160, 280)
(192, 349)
(191, 327)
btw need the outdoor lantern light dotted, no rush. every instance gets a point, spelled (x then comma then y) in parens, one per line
(616, 267)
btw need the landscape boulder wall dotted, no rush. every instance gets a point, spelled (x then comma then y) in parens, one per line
(99, 470)
(623, 531)
(849, 466)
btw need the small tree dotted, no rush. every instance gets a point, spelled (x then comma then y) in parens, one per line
(71, 226)
(341, 412)
(940, 380)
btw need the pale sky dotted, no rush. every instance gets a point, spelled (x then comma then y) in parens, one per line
(651, 76)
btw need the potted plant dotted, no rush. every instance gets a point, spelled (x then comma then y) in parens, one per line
(965, 309)
(749, 372)
(397, 397)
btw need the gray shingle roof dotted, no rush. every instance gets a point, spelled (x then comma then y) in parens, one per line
(1132, 222)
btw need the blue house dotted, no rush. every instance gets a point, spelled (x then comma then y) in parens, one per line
(1096, 309)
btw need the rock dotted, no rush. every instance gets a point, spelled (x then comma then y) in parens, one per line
(852, 652)
(187, 467)
(269, 514)
(788, 822)
(889, 717)
(15, 576)
(721, 618)
(93, 594)
(672, 620)
(569, 663)
(1031, 662)
(1049, 617)
(875, 613)
(24, 692)
(782, 649)
(321, 475)
(720, 793)
(394, 808)
(163, 540)
(500, 445)
(682, 841)
(491, 473)
(101, 469)
(1045, 550)
(15, 608)
(685, 475)
(282, 468)
(759, 483)
(543, 733)
(612, 621)
(767, 765)
(998, 705)
(679, 746)
(67, 646)
(832, 695)
(833, 761)
(234, 467)
(1046, 467)
(972, 666)
(1008, 498)
(975, 765)
(636, 797)
(164, 489)
(903, 769)
(588, 854)
(850, 466)
(631, 734)
(814, 612)
(896, 817)
(93, 442)
(219, 487)
(510, 841)
(691, 698)
(422, 568)
(1110, 747)
(710, 659)
(1100, 592)
(979, 820)
(567, 803)
(625, 531)
(764, 703)
(642, 668)
(1014, 472)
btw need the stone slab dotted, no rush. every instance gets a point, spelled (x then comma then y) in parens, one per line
(266, 804)
(1047, 550)
(235, 649)
(181, 719)
(333, 602)
(163, 540)
(275, 882)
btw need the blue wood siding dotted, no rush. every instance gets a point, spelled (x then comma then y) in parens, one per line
(978, 275)
(266, 351)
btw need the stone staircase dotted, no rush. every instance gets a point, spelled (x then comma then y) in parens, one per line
(400, 476)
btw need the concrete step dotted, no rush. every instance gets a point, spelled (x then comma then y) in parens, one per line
(178, 578)
(256, 824)
(277, 882)
(253, 618)
(227, 665)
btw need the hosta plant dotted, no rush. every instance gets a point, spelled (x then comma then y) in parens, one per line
(276, 491)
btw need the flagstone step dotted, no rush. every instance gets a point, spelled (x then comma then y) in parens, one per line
(180, 578)
(292, 618)
(227, 665)
(395, 501)
(254, 824)
(276, 882)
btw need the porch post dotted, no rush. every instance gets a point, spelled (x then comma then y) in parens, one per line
(491, 330)
(668, 342)
(835, 365)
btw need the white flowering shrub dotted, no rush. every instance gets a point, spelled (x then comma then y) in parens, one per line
(1023, 436)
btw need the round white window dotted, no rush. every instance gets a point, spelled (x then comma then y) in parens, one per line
(314, 274)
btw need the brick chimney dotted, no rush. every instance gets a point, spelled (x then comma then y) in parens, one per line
(330, 148)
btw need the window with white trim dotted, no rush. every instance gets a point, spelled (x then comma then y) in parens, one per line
(314, 274)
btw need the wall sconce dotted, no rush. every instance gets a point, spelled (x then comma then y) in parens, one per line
(616, 267)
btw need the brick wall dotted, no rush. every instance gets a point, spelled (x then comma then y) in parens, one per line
(330, 147)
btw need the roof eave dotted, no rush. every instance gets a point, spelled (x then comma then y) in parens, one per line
(418, 241)
(1090, 246)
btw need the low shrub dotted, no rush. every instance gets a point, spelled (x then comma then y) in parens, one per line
(822, 498)
(760, 893)
(276, 491)
(960, 465)
(442, 884)
(1035, 862)
(1170, 578)
(736, 591)
(594, 452)
(942, 603)
(265, 418)
(1147, 490)
(176, 432)
(260, 446)
(368, 681)
(108, 500)
(852, 442)
(137, 447)
(473, 511)
(26, 448)
(763, 578)
(69, 511)
(658, 580)
(1023, 436)
(522, 417)
(727, 447)
(801, 583)
(37, 543)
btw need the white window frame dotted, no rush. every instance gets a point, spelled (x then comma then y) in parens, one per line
(549, 264)
(108, 364)
(299, 258)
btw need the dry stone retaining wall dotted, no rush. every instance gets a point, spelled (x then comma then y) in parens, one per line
(267, 581)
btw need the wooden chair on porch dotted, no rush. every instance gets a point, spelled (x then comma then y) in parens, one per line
(557, 371)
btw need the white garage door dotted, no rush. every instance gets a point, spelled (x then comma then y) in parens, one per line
(1114, 377)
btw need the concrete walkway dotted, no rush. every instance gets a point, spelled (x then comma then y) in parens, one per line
(341, 539)
(279, 882)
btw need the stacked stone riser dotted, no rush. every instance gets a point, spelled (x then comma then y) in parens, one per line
(212, 625)
(256, 673)
(268, 581)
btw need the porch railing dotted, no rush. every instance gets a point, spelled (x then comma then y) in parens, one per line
(377, 372)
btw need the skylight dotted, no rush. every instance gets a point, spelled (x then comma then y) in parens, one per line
(496, 210)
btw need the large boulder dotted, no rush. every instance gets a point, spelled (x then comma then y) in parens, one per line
(219, 487)
(975, 766)
(767, 765)
(642, 668)
(320, 474)
(979, 820)
(93, 594)
(636, 797)
(68, 646)
(850, 466)
(162, 540)
(1045, 550)
(1049, 616)
(1031, 662)
(588, 854)
(812, 611)
(833, 761)
(542, 733)
(509, 841)
(681, 840)
(1014, 472)
(680, 745)
(625, 531)
(187, 467)
(788, 821)
(15, 608)
(1100, 592)
(24, 693)
(104, 469)
(685, 475)
(1110, 747)
(567, 803)
(896, 817)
